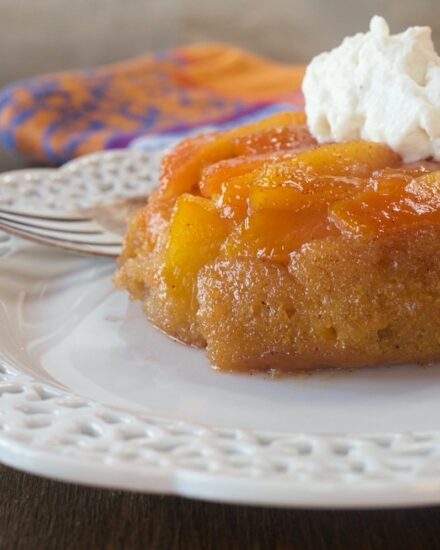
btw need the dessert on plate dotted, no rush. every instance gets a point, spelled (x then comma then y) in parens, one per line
(306, 240)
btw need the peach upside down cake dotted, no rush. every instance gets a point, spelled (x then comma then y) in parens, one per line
(277, 253)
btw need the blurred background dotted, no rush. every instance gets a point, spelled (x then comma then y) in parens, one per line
(47, 35)
(38, 36)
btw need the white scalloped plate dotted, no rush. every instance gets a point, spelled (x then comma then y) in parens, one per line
(91, 393)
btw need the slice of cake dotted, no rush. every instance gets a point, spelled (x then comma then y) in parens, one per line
(275, 251)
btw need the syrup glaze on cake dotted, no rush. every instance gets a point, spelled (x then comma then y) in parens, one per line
(276, 253)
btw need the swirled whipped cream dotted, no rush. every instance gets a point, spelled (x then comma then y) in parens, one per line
(379, 87)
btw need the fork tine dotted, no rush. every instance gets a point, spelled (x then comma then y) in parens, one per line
(82, 249)
(52, 225)
(47, 234)
(48, 217)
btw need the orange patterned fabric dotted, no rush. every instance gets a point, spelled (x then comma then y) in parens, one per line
(56, 117)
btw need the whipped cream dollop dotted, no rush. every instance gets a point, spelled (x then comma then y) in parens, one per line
(379, 87)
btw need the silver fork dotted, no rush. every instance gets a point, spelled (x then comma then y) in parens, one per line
(96, 231)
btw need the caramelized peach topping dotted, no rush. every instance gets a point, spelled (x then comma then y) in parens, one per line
(259, 194)
(182, 168)
(278, 196)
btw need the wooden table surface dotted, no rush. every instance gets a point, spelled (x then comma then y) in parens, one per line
(37, 513)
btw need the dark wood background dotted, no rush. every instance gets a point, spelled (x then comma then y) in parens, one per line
(37, 513)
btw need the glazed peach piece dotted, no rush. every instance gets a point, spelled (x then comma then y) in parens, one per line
(400, 203)
(215, 175)
(273, 140)
(275, 234)
(182, 168)
(196, 233)
(276, 253)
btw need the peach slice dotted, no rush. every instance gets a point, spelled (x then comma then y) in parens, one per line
(195, 235)
(274, 140)
(402, 205)
(182, 167)
(353, 159)
(214, 175)
(233, 201)
(387, 180)
(275, 234)
(322, 190)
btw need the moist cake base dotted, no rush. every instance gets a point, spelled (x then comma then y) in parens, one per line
(341, 302)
